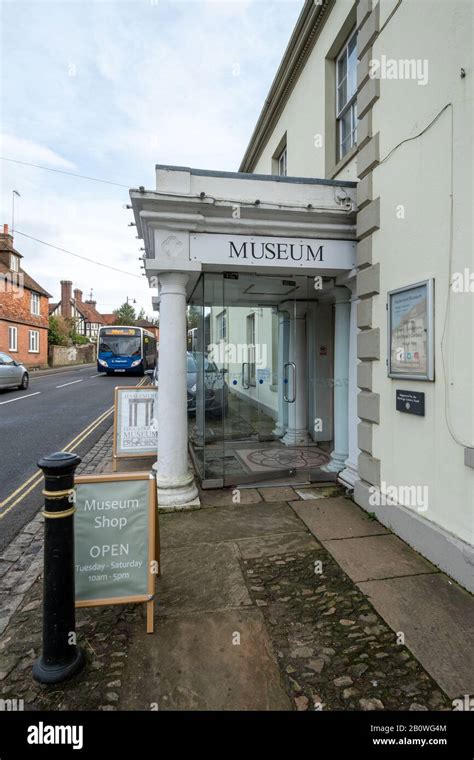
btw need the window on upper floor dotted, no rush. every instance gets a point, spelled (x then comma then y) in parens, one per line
(35, 304)
(346, 97)
(14, 263)
(282, 163)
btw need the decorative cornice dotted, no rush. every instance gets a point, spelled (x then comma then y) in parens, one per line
(302, 41)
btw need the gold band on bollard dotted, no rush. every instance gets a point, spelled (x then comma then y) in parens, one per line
(57, 494)
(56, 515)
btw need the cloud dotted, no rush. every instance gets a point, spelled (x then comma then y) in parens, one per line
(27, 150)
(112, 88)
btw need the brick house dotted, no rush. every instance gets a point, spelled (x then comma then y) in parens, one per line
(85, 314)
(147, 325)
(23, 309)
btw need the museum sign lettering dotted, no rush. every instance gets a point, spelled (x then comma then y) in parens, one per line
(268, 251)
(280, 251)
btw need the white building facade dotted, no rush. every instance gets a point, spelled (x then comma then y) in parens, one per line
(332, 280)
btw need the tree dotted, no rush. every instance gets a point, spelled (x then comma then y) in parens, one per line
(60, 331)
(125, 315)
(141, 314)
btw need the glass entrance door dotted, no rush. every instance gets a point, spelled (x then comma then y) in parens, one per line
(248, 378)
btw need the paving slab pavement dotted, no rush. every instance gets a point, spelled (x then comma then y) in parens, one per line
(437, 618)
(279, 543)
(372, 557)
(203, 576)
(336, 518)
(215, 661)
(228, 523)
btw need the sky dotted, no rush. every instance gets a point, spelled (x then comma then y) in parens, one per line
(108, 89)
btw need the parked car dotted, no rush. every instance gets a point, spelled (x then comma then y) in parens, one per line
(216, 388)
(12, 373)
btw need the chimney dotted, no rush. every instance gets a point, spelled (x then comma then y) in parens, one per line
(66, 287)
(92, 303)
(78, 295)
(6, 239)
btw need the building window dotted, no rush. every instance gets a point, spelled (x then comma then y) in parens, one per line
(35, 304)
(221, 325)
(252, 376)
(346, 97)
(282, 163)
(34, 342)
(14, 263)
(12, 339)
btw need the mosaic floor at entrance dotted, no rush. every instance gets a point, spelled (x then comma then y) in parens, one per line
(257, 460)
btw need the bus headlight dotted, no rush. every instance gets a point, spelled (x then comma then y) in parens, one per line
(102, 362)
(136, 363)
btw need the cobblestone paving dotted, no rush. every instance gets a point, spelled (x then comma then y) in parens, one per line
(103, 634)
(334, 651)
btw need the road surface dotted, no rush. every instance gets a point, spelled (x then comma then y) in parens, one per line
(67, 410)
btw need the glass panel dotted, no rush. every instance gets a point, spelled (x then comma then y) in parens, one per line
(345, 131)
(341, 95)
(352, 70)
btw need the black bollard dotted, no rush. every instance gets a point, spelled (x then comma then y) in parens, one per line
(61, 658)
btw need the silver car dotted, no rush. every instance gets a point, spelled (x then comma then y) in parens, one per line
(12, 373)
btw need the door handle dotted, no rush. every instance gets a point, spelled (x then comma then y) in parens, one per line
(245, 384)
(285, 396)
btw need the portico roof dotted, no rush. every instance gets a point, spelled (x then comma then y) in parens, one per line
(297, 215)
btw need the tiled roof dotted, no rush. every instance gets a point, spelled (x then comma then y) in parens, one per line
(28, 282)
(88, 311)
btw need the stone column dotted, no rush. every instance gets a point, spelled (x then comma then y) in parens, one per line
(297, 431)
(283, 320)
(350, 472)
(176, 486)
(341, 381)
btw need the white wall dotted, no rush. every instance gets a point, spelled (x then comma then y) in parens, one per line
(423, 450)
(304, 115)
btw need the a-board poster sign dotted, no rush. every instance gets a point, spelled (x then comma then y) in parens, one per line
(135, 428)
(116, 540)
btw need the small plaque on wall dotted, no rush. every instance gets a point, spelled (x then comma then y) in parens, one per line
(410, 402)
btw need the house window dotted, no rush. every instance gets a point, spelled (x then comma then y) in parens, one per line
(14, 263)
(346, 97)
(35, 304)
(282, 163)
(34, 342)
(13, 339)
(221, 325)
(252, 379)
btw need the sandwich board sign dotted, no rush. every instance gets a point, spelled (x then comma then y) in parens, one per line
(116, 540)
(135, 429)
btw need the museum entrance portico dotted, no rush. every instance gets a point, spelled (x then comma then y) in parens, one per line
(253, 280)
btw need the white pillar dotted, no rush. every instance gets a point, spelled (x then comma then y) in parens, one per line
(280, 427)
(176, 486)
(297, 431)
(350, 472)
(341, 381)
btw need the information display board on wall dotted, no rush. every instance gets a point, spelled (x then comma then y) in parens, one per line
(410, 332)
(135, 427)
(116, 540)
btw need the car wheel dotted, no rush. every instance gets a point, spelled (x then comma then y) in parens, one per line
(24, 382)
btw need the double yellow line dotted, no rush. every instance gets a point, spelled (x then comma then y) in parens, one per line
(36, 479)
